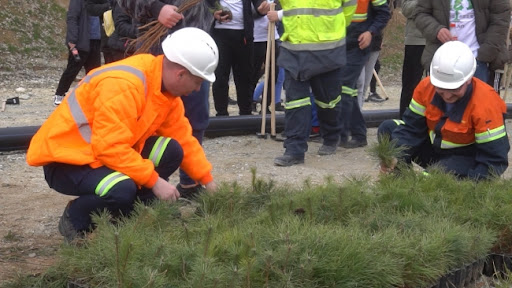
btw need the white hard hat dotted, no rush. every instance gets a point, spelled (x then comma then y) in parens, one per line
(193, 49)
(453, 64)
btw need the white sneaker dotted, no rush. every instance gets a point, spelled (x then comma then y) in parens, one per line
(57, 100)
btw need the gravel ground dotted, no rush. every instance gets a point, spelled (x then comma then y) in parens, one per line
(29, 210)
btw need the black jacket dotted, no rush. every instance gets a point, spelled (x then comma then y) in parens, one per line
(97, 8)
(125, 30)
(77, 25)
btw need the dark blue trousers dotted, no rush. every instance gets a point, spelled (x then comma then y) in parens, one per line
(197, 110)
(102, 188)
(351, 117)
(326, 88)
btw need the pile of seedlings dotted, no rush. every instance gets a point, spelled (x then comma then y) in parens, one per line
(399, 231)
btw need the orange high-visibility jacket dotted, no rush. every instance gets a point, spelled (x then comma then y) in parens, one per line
(477, 119)
(107, 118)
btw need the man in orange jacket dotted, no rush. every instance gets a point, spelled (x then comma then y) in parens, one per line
(122, 132)
(455, 120)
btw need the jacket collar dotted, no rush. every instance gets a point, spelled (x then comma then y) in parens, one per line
(456, 113)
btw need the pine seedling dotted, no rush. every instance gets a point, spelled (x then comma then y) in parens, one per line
(387, 151)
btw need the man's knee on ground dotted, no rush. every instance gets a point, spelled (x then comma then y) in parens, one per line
(386, 128)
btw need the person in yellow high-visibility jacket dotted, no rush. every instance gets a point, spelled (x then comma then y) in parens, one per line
(122, 132)
(312, 54)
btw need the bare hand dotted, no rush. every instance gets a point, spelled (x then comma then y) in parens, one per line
(364, 40)
(168, 16)
(211, 187)
(272, 16)
(264, 7)
(384, 169)
(71, 45)
(221, 17)
(444, 35)
(163, 190)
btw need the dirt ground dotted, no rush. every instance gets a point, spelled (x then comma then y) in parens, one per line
(29, 210)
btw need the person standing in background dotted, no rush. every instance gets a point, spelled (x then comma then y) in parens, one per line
(260, 50)
(481, 24)
(125, 31)
(369, 20)
(83, 41)
(313, 58)
(234, 34)
(412, 70)
(97, 8)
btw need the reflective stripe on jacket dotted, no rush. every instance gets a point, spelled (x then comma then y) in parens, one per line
(316, 25)
(474, 127)
(475, 118)
(108, 117)
(361, 13)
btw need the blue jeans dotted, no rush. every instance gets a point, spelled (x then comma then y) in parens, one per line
(258, 91)
(482, 71)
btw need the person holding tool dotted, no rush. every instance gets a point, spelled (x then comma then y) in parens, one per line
(312, 58)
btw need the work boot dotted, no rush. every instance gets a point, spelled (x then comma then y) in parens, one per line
(374, 97)
(190, 193)
(288, 160)
(352, 143)
(327, 150)
(67, 229)
(279, 107)
(254, 106)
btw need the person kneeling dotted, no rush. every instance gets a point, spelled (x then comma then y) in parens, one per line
(454, 119)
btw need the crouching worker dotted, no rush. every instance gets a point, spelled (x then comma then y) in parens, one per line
(122, 132)
(454, 120)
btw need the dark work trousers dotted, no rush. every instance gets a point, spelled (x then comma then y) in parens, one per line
(351, 118)
(412, 71)
(235, 53)
(197, 110)
(88, 59)
(260, 53)
(103, 188)
(326, 89)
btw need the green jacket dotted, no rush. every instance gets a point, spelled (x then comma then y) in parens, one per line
(492, 24)
(413, 36)
(314, 36)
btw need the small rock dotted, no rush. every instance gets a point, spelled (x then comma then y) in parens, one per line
(32, 255)
(21, 90)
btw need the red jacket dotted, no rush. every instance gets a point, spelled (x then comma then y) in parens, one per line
(107, 118)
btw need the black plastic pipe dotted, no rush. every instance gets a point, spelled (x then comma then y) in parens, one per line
(18, 138)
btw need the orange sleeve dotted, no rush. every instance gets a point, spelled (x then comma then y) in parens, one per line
(177, 126)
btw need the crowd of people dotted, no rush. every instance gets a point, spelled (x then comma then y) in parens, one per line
(119, 134)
